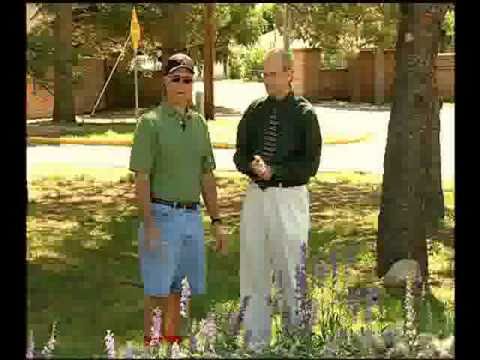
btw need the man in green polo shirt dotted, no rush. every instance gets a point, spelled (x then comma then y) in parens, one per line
(173, 160)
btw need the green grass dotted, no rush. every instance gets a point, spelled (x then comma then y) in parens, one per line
(82, 245)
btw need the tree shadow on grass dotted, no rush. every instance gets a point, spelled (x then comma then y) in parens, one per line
(83, 248)
(83, 261)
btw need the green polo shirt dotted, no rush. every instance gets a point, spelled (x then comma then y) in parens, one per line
(176, 159)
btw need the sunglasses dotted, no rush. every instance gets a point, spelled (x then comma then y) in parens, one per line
(177, 79)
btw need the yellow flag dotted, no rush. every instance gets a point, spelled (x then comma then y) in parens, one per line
(135, 29)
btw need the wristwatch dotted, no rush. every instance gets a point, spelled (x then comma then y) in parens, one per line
(216, 220)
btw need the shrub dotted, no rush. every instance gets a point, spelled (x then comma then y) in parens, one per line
(252, 63)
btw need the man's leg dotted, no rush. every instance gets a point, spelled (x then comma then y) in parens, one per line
(255, 267)
(289, 227)
(150, 303)
(172, 318)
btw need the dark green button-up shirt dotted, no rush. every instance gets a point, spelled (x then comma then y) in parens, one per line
(298, 143)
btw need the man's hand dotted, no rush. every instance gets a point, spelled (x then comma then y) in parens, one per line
(220, 235)
(262, 170)
(152, 235)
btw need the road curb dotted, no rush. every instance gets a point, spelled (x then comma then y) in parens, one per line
(83, 141)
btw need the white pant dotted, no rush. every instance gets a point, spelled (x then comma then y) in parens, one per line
(273, 224)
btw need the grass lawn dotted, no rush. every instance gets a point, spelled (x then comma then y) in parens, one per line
(222, 131)
(82, 254)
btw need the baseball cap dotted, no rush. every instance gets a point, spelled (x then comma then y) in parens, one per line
(178, 61)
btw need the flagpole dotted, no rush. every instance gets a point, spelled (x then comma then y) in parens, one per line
(135, 31)
(136, 87)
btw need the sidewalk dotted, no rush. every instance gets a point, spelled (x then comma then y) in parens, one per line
(42, 131)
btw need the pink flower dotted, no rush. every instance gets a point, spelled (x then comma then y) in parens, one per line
(31, 346)
(156, 327)
(48, 349)
(110, 344)
(185, 298)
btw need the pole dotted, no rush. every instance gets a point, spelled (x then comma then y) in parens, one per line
(286, 28)
(136, 87)
(110, 76)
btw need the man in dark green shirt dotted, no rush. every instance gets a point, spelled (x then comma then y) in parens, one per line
(173, 160)
(278, 147)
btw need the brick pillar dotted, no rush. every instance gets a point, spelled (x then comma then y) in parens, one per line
(354, 78)
(379, 76)
(306, 67)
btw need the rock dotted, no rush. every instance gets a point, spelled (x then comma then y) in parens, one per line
(400, 350)
(370, 343)
(425, 341)
(426, 354)
(378, 344)
(397, 275)
(390, 336)
(449, 345)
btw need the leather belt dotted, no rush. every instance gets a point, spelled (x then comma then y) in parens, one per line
(280, 184)
(175, 204)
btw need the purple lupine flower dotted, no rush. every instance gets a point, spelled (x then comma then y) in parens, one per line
(303, 252)
(50, 346)
(193, 343)
(333, 261)
(351, 255)
(300, 273)
(185, 298)
(368, 308)
(303, 304)
(129, 351)
(210, 327)
(315, 309)
(375, 295)
(232, 323)
(110, 344)
(320, 271)
(31, 346)
(241, 313)
(175, 352)
(156, 330)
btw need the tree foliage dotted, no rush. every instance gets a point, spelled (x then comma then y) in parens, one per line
(448, 27)
(102, 28)
(344, 27)
(234, 22)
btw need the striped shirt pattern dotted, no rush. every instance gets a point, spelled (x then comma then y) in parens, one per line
(270, 137)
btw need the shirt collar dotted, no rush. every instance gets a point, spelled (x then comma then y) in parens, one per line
(170, 110)
(286, 99)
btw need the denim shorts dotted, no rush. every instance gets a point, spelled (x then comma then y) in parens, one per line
(179, 253)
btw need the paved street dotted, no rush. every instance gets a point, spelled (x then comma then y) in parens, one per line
(335, 118)
(366, 157)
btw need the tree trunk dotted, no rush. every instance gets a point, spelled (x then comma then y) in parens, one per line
(434, 199)
(402, 219)
(64, 105)
(209, 56)
(174, 38)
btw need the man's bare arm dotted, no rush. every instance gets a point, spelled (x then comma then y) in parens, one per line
(209, 194)
(142, 189)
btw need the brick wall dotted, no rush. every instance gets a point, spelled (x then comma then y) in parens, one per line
(357, 82)
(120, 92)
(306, 67)
(40, 102)
(445, 72)
(334, 84)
